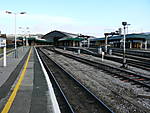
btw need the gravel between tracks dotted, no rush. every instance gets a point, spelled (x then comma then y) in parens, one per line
(121, 97)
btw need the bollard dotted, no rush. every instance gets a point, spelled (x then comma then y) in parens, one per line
(100, 50)
(110, 51)
(78, 51)
(125, 63)
(103, 56)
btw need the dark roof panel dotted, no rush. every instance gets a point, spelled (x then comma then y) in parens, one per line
(133, 36)
(56, 35)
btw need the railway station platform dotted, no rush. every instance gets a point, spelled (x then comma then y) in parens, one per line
(23, 85)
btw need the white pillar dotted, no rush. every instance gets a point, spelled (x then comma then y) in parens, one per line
(146, 45)
(78, 51)
(106, 41)
(73, 44)
(103, 56)
(130, 44)
(26, 41)
(100, 50)
(80, 44)
(4, 63)
(110, 51)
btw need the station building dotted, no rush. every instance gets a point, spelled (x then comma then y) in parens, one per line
(32, 40)
(59, 38)
(140, 41)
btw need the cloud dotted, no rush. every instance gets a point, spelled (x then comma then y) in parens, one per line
(36, 18)
(44, 23)
(41, 23)
(44, 18)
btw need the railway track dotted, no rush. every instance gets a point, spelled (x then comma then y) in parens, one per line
(145, 65)
(134, 58)
(144, 54)
(125, 75)
(145, 60)
(76, 97)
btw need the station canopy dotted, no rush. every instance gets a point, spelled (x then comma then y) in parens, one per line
(128, 36)
(71, 39)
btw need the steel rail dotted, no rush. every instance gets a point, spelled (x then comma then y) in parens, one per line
(113, 70)
(107, 110)
(67, 107)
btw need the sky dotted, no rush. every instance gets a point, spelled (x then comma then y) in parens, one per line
(88, 17)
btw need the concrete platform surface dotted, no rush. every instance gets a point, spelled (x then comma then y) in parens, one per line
(33, 94)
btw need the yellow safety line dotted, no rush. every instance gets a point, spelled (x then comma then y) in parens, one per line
(14, 93)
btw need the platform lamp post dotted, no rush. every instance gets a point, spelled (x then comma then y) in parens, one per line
(22, 35)
(124, 45)
(15, 14)
(25, 33)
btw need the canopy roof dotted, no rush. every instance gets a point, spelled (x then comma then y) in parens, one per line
(55, 36)
(71, 38)
(128, 36)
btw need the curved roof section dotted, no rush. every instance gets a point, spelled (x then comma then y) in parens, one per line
(70, 34)
(56, 35)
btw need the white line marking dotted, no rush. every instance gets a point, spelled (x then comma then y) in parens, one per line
(56, 108)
